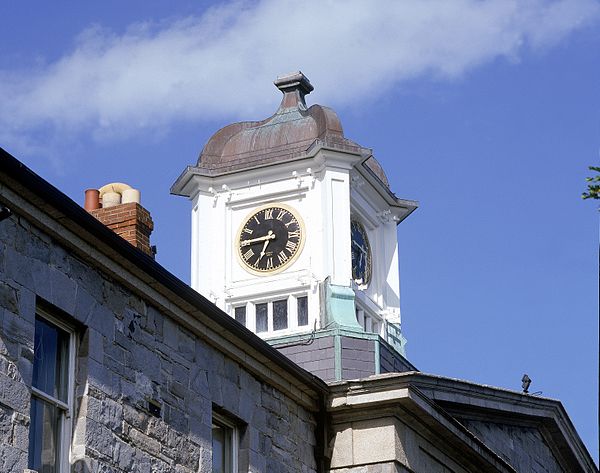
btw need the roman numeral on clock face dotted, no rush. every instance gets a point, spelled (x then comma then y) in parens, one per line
(268, 214)
(282, 257)
(249, 254)
(294, 234)
(291, 246)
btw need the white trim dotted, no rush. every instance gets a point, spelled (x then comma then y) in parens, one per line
(366, 316)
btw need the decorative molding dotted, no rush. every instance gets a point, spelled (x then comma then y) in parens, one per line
(356, 181)
(299, 178)
(385, 216)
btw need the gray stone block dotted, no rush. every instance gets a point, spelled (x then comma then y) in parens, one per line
(12, 458)
(63, 291)
(9, 298)
(14, 394)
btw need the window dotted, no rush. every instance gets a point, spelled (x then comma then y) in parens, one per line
(51, 397)
(262, 318)
(283, 314)
(240, 314)
(280, 315)
(369, 322)
(224, 445)
(302, 303)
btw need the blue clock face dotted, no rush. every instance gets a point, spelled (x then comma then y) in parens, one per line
(361, 254)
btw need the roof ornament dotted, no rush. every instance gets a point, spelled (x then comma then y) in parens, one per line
(526, 380)
(294, 87)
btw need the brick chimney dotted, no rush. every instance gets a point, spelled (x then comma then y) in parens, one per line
(118, 207)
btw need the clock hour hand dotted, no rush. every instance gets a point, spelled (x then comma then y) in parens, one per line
(268, 239)
(268, 236)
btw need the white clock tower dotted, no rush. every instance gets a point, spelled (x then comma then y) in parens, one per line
(294, 232)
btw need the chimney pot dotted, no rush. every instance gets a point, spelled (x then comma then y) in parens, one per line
(130, 195)
(92, 199)
(110, 199)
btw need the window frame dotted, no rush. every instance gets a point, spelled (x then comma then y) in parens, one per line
(66, 409)
(234, 449)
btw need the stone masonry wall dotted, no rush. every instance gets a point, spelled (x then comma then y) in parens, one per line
(129, 354)
(523, 447)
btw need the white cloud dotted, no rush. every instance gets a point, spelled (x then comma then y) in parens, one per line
(221, 64)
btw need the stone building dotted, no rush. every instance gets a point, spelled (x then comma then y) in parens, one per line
(109, 363)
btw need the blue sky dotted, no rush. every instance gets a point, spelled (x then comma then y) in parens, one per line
(487, 113)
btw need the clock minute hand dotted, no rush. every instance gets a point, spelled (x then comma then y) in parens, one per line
(268, 239)
(269, 236)
(363, 250)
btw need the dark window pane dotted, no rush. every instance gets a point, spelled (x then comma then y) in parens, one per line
(262, 321)
(50, 359)
(280, 318)
(240, 314)
(302, 311)
(44, 435)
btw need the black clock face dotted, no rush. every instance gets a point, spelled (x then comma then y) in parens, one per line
(361, 254)
(270, 239)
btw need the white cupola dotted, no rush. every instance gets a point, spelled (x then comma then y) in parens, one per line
(294, 225)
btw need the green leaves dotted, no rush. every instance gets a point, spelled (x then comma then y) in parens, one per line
(593, 188)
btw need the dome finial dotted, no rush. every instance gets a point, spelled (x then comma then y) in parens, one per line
(294, 87)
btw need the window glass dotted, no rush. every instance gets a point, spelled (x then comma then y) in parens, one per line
(50, 359)
(302, 311)
(280, 316)
(222, 448)
(262, 319)
(240, 314)
(44, 436)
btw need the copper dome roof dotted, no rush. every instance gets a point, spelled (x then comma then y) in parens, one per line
(284, 136)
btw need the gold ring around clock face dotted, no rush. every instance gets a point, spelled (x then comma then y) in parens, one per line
(270, 239)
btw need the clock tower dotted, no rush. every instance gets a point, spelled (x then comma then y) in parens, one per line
(294, 235)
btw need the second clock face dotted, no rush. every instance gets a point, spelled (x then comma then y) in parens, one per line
(361, 254)
(270, 239)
